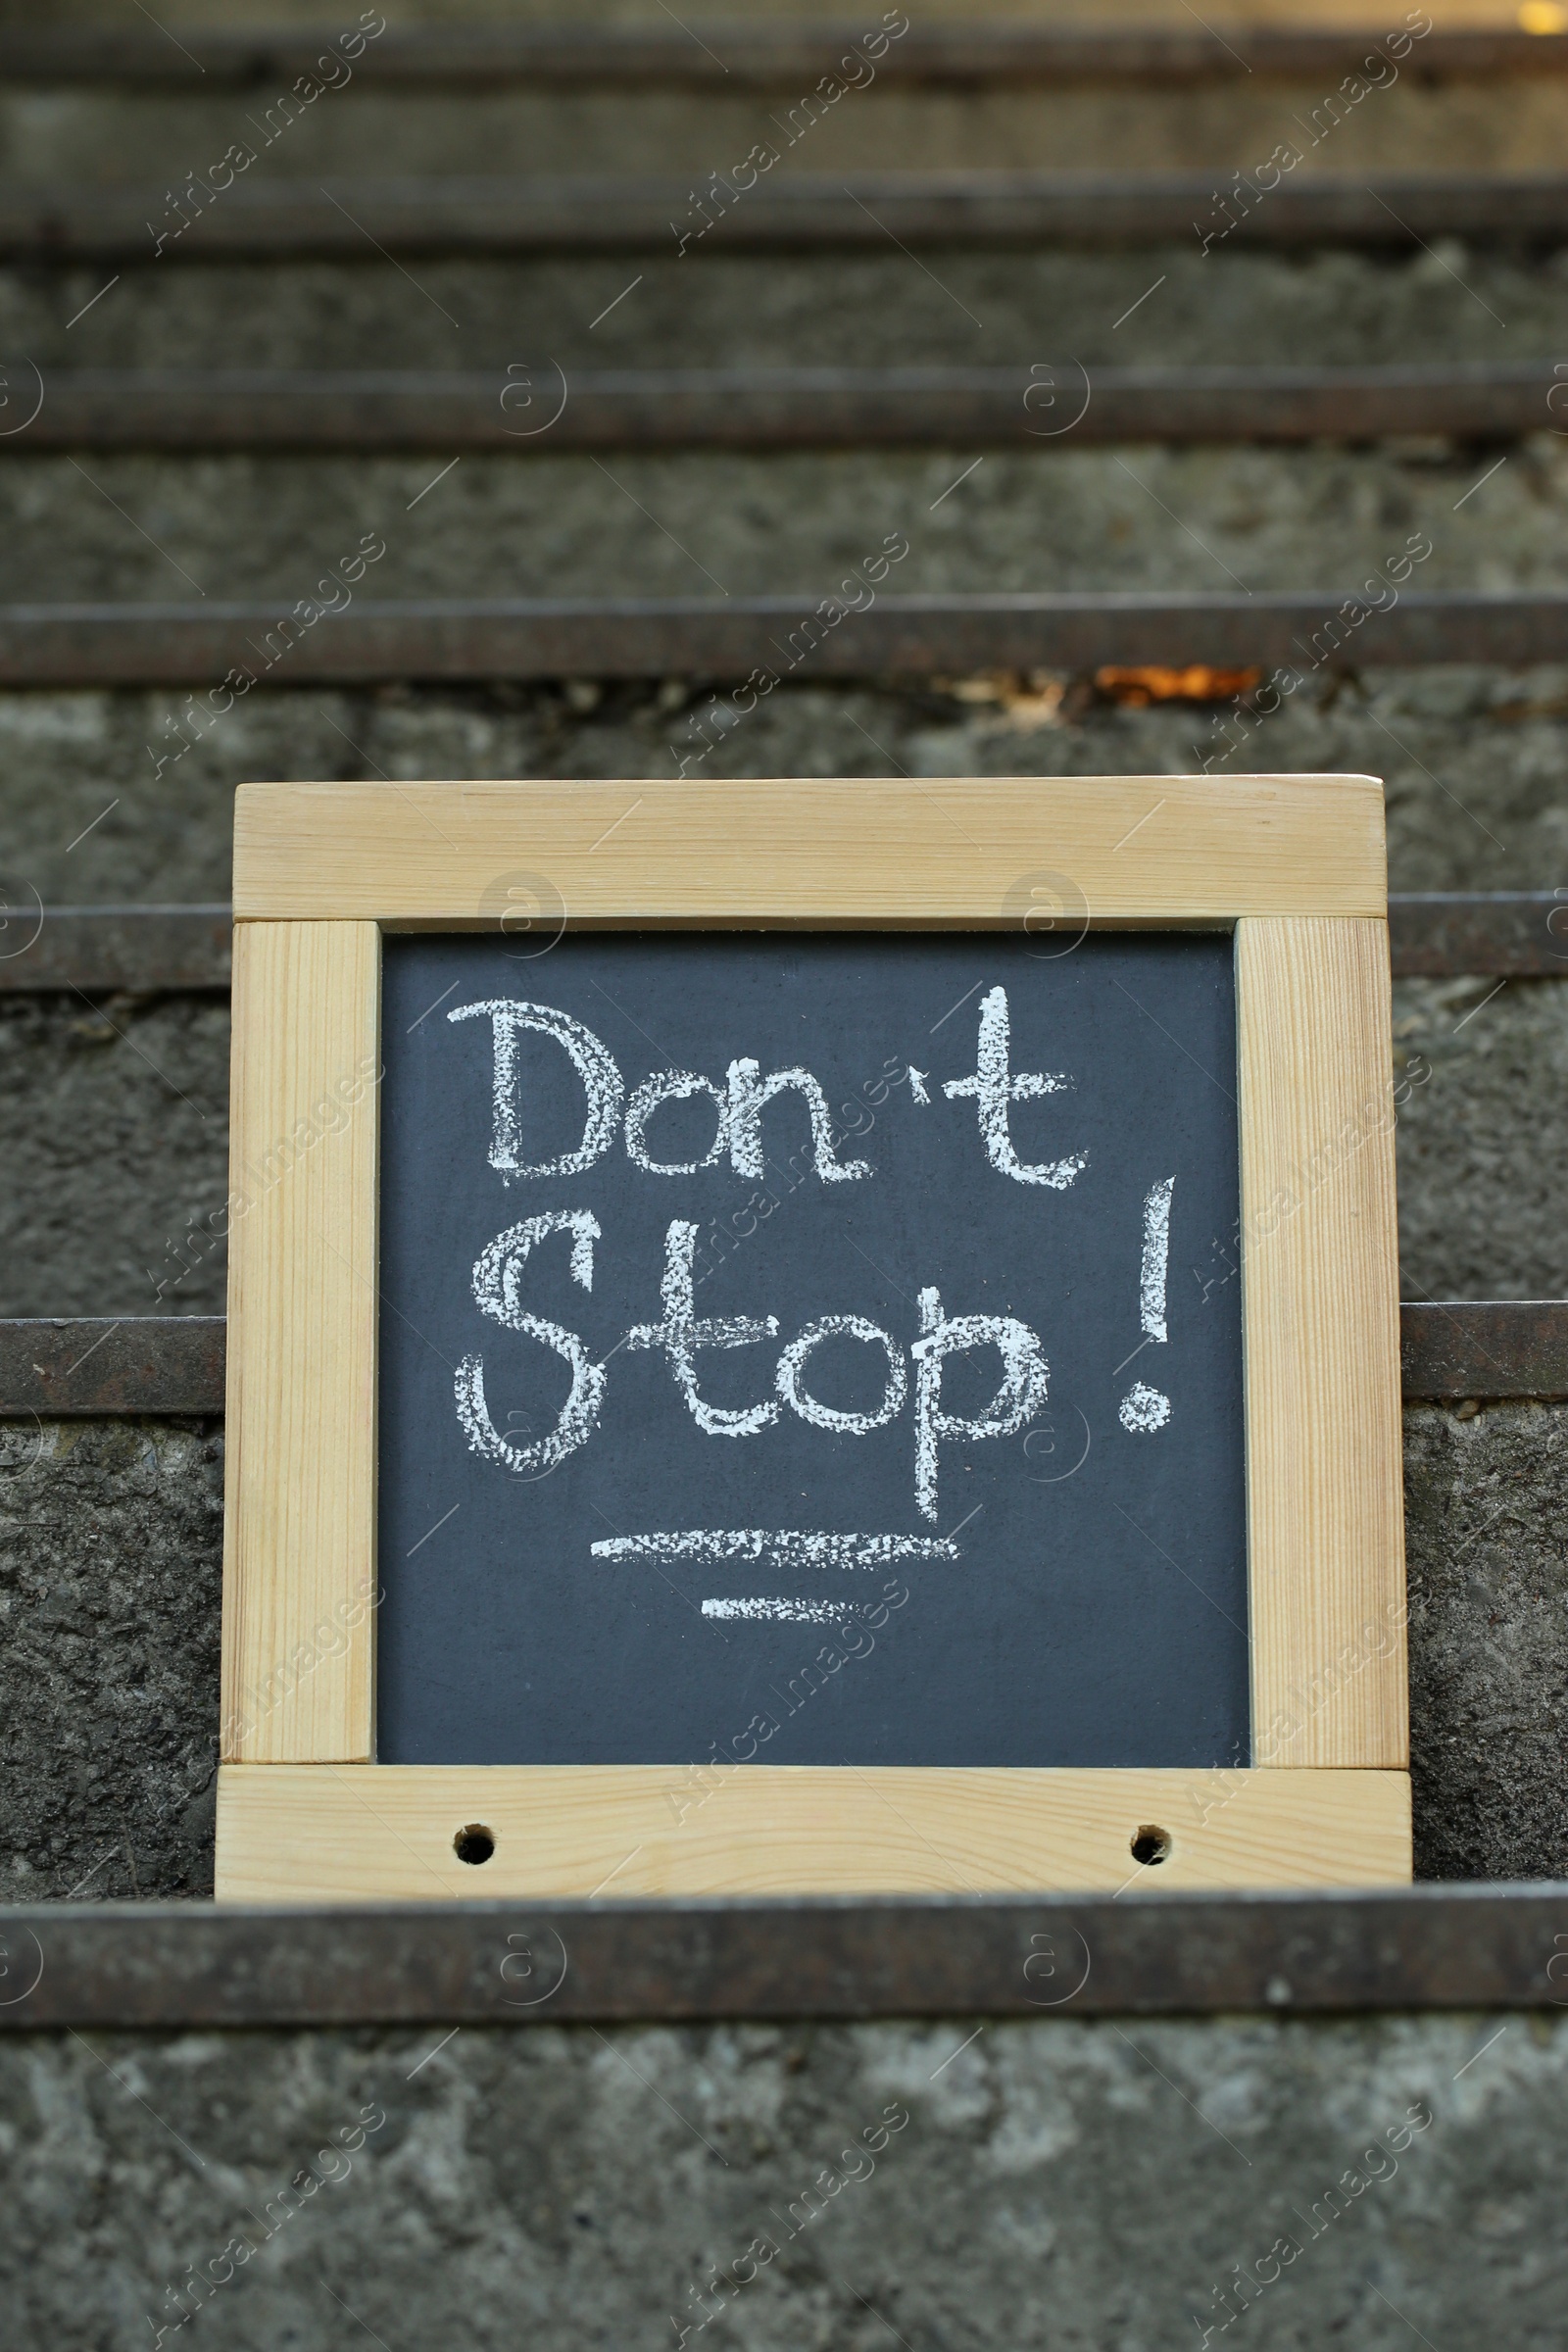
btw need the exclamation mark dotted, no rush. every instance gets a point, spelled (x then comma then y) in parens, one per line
(1144, 1407)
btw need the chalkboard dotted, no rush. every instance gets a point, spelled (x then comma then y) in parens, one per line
(810, 1348)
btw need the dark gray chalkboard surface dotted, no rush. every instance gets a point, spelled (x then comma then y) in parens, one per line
(811, 1349)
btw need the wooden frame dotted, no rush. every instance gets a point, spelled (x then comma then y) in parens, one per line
(1295, 864)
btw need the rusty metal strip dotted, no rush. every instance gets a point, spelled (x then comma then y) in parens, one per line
(104, 951)
(174, 1364)
(785, 407)
(146, 951)
(186, 1965)
(293, 218)
(909, 636)
(750, 56)
(1440, 934)
(1484, 1348)
(53, 1369)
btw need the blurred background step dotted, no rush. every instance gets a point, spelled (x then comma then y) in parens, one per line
(538, 408)
(1164, 305)
(935, 208)
(1314, 524)
(697, 97)
(955, 55)
(1227, 16)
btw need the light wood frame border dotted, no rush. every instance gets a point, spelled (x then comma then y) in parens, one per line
(1295, 865)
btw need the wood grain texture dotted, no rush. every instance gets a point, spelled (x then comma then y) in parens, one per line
(1320, 1291)
(985, 850)
(298, 1834)
(299, 1552)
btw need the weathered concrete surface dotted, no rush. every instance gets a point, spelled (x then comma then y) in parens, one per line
(110, 1539)
(712, 309)
(1483, 1140)
(1474, 759)
(158, 136)
(154, 527)
(1487, 1522)
(1061, 2183)
(215, 14)
(117, 1144)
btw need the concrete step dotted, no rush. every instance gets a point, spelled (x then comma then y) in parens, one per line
(155, 140)
(1229, 16)
(424, 216)
(142, 105)
(767, 51)
(125, 527)
(127, 1110)
(1474, 758)
(1166, 304)
(1010, 2152)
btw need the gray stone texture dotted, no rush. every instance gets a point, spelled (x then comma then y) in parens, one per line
(1061, 2183)
(1483, 1211)
(140, 527)
(117, 1154)
(110, 1546)
(1486, 1517)
(1474, 758)
(866, 309)
(350, 130)
(110, 1539)
(213, 15)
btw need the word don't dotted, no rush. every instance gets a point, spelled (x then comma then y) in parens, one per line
(740, 1103)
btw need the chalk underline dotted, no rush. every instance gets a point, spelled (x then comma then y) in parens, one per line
(797, 1547)
(780, 1609)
